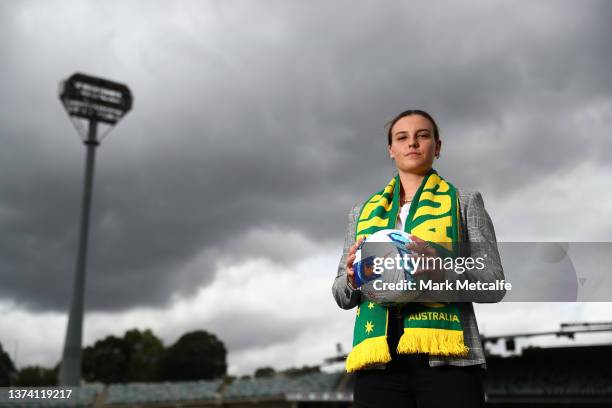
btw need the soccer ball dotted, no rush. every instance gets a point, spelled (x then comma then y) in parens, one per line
(383, 268)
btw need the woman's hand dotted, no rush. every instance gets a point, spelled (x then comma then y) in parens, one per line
(350, 273)
(429, 256)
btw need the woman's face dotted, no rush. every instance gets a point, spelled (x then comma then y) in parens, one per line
(413, 146)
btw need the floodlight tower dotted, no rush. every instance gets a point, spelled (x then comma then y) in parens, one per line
(95, 101)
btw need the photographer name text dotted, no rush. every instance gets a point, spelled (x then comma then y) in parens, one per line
(442, 286)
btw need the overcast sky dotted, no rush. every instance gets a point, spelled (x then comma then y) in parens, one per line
(220, 201)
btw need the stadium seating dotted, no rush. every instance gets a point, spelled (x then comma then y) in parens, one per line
(146, 393)
(548, 377)
(281, 385)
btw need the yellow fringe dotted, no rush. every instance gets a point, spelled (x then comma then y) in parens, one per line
(433, 341)
(369, 351)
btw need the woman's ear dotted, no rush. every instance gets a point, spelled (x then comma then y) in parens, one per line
(438, 148)
(391, 153)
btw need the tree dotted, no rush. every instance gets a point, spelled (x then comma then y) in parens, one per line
(295, 371)
(135, 357)
(36, 376)
(264, 372)
(198, 355)
(7, 369)
(145, 355)
(107, 361)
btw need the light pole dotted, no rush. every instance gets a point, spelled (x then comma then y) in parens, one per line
(95, 101)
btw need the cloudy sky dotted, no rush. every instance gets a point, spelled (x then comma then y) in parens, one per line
(220, 201)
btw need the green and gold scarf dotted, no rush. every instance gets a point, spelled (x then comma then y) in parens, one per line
(433, 328)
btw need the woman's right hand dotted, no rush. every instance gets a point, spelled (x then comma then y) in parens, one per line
(350, 273)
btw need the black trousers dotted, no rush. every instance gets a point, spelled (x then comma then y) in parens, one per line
(413, 383)
(408, 381)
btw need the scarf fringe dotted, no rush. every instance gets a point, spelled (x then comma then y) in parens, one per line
(369, 351)
(433, 341)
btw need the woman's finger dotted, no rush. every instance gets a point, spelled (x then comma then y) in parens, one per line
(416, 239)
(423, 247)
(354, 247)
(349, 262)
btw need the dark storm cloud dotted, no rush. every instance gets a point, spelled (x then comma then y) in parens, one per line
(239, 337)
(251, 115)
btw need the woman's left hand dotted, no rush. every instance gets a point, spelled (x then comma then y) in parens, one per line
(429, 257)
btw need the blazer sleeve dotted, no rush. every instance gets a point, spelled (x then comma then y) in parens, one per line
(346, 296)
(480, 231)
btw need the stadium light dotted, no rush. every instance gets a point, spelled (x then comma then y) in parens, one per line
(96, 101)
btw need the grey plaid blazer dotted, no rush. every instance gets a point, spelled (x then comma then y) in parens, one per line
(476, 227)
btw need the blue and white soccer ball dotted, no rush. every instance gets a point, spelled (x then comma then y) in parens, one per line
(378, 274)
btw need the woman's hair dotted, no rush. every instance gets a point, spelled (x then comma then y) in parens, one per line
(408, 113)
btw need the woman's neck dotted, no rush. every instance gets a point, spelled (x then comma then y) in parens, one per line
(410, 184)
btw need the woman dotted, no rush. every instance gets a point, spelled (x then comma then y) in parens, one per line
(395, 360)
